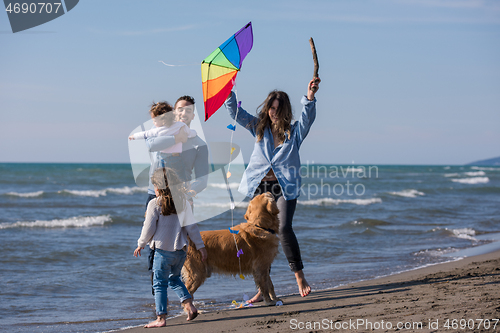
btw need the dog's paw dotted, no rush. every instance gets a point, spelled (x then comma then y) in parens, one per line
(274, 302)
(271, 302)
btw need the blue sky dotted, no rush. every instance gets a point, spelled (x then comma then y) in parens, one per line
(403, 82)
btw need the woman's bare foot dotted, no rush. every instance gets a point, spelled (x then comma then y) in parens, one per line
(304, 287)
(256, 298)
(159, 322)
(190, 309)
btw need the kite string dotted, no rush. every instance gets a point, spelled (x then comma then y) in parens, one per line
(229, 174)
(234, 126)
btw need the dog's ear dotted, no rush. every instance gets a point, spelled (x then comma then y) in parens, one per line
(272, 207)
(247, 214)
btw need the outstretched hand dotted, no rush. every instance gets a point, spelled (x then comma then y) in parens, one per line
(310, 91)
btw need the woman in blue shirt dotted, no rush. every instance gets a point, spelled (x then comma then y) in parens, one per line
(275, 163)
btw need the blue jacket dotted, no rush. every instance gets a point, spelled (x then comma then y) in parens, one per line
(284, 159)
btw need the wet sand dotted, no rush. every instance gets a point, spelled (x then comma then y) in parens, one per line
(460, 296)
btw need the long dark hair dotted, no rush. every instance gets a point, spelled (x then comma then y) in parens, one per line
(284, 113)
(171, 190)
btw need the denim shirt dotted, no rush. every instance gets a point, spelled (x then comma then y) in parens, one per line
(284, 159)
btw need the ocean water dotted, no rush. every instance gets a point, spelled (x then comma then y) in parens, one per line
(68, 232)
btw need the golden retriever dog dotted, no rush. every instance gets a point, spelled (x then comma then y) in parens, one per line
(257, 238)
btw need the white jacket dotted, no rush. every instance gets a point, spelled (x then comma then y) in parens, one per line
(170, 232)
(167, 131)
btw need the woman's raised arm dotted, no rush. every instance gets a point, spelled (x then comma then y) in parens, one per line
(245, 119)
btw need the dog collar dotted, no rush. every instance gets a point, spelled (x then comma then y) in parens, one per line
(268, 230)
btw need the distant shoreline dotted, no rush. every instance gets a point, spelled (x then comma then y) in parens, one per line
(488, 162)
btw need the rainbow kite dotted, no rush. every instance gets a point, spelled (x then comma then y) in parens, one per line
(219, 69)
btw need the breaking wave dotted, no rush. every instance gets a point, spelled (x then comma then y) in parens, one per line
(485, 168)
(463, 233)
(100, 193)
(411, 193)
(474, 180)
(26, 195)
(330, 201)
(72, 222)
(469, 173)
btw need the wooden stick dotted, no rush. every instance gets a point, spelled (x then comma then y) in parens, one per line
(316, 63)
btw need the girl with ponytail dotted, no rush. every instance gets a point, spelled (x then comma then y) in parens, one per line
(169, 221)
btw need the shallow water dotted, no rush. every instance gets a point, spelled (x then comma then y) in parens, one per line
(68, 232)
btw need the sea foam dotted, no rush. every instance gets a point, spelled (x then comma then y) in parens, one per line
(331, 201)
(464, 233)
(127, 190)
(101, 193)
(470, 174)
(437, 252)
(411, 193)
(474, 180)
(475, 173)
(485, 168)
(72, 222)
(25, 195)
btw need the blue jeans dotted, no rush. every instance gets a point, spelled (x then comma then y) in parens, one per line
(167, 267)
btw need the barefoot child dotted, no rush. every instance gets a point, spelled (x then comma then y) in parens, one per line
(166, 228)
(163, 119)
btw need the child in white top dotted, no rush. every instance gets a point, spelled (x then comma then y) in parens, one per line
(169, 221)
(163, 118)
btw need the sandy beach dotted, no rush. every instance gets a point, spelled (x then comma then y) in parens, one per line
(450, 297)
